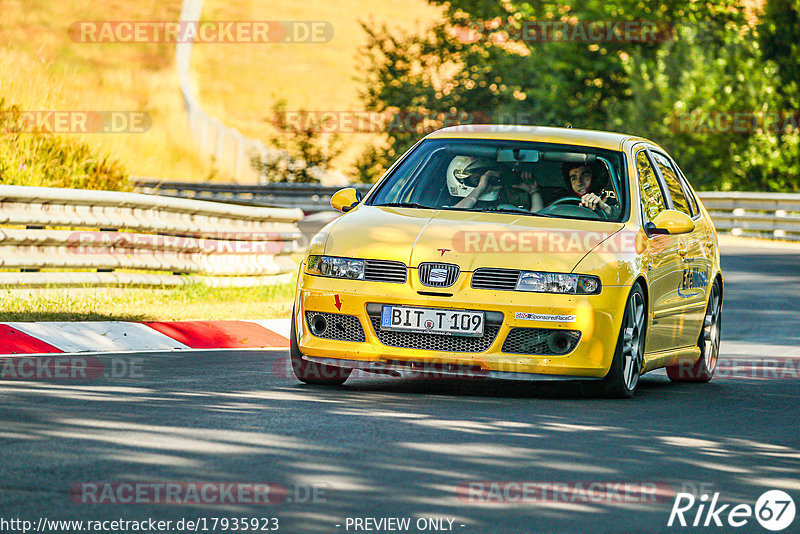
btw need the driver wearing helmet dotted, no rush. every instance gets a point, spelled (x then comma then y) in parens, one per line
(492, 184)
(584, 182)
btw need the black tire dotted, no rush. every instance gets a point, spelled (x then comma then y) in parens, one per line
(313, 372)
(626, 367)
(703, 369)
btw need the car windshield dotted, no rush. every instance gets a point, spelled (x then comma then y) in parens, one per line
(518, 177)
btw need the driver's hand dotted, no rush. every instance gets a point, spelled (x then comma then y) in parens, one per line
(593, 202)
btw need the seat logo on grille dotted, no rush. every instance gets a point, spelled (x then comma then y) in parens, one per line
(437, 276)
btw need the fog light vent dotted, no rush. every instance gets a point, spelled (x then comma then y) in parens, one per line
(335, 326)
(544, 341)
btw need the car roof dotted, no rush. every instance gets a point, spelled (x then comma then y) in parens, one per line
(542, 134)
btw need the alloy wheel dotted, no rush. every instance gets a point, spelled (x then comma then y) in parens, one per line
(711, 330)
(632, 340)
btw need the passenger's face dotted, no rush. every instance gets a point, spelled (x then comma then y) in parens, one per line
(581, 179)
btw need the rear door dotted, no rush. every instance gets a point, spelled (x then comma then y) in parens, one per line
(695, 253)
(661, 260)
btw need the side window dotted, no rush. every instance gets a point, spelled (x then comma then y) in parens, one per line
(673, 183)
(689, 194)
(652, 198)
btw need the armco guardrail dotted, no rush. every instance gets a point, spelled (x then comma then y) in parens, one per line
(308, 197)
(103, 238)
(771, 215)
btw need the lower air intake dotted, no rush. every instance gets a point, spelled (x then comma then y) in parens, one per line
(335, 326)
(544, 341)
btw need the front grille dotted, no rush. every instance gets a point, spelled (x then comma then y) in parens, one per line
(414, 340)
(431, 275)
(385, 271)
(541, 341)
(503, 279)
(338, 326)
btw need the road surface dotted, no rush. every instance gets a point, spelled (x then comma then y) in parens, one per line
(407, 448)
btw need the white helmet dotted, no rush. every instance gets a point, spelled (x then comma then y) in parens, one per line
(463, 166)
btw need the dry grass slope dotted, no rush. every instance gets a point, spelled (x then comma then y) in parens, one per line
(41, 68)
(309, 76)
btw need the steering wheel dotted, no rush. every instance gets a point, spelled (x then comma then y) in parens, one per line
(565, 200)
(577, 203)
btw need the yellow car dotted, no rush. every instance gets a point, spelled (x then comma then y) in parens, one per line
(524, 253)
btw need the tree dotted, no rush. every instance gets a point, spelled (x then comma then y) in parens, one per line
(779, 35)
(709, 63)
(300, 153)
(712, 102)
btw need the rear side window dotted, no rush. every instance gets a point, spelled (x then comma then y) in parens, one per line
(689, 194)
(673, 183)
(652, 198)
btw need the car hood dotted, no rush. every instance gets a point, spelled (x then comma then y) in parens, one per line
(469, 239)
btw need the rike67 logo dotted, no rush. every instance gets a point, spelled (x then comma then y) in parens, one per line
(774, 510)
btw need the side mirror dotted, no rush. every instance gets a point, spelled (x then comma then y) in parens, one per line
(670, 222)
(345, 199)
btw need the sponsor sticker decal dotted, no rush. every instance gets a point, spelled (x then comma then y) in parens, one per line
(545, 317)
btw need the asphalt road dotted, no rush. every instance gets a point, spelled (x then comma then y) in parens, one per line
(382, 447)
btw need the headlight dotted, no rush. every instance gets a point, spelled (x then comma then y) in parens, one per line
(575, 284)
(336, 267)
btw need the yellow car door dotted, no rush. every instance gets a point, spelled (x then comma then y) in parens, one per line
(661, 260)
(696, 252)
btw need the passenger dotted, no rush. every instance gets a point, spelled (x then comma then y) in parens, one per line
(494, 187)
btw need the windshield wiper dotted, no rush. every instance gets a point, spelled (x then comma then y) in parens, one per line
(521, 211)
(508, 210)
(404, 205)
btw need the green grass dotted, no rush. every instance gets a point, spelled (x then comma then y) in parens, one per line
(193, 302)
(42, 159)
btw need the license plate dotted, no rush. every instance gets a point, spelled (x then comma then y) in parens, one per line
(432, 321)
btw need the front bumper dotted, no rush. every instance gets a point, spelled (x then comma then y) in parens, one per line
(597, 317)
